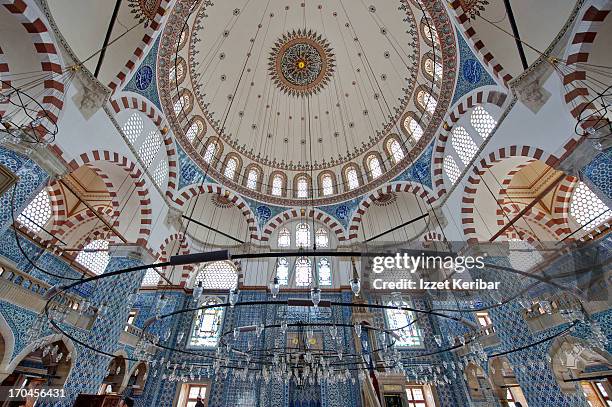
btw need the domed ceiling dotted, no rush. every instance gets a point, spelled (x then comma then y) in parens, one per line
(303, 88)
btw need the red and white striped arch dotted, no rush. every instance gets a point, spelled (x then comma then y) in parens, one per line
(34, 22)
(296, 213)
(403, 186)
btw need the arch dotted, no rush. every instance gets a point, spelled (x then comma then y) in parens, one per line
(237, 170)
(118, 362)
(295, 213)
(195, 130)
(578, 50)
(388, 142)
(7, 347)
(141, 51)
(367, 161)
(425, 100)
(181, 64)
(320, 186)
(215, 158)
(191, 191)
(479, 169)
(137, 378)
(277, 183)
(476, 382)
(494, 68)
(257, 168)
(464, 105)
(90, 159)
(427, 64)
(188, 280)
(139, 103)
(404, 186)
(34, 22)
(345, 176)
(411, 127)
(182, 104)
(502, 377)
(296, 187)
(33, 346)
(164, 253)
(569, 356)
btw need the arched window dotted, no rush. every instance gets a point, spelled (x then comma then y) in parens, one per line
(396, 150)
(427, 101)
(217, 275)
(396, 318)
(160, 175)
(277, 185)
(482, 121)
(284, 238)
(151, 278)
(177, 71)
(282, 271)
(182, 104)
(149, 149)
(586, 207)
(451, 170)
(230, 168)
(327, 184)
(133, 128)
(413, 128)
(523, 256)
(194, 131)
(303, 272)
(352, 178)
(94, 256)
(374, 166)
(325, 274)
(302, 235)
(207, 325)
(322, 237)
(434, 70)
(252, 178)
(211, 148)
(463, 144)
(302, 187)
(37, 213)
(429, 31)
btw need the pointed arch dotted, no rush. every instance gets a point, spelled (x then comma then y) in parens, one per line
(316, 214)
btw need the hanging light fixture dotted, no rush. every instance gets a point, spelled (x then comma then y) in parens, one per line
(275, 287)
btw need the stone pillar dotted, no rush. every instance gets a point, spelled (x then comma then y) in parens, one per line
(90, 367)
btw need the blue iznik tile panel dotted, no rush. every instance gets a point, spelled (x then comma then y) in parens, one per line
(420, 170)
(472, 75)
(599, 174)
(343, 212)
(264, 212)
(189, 172)
(31, 180)
(144, 81)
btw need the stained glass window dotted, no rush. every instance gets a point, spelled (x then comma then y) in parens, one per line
(133, 128)
(409, 334)
(327, 184)
(284, 238)
(302, 187)
(374, 167)
(282, 271)
(325, 275)
(277, 185)
(149, 149)
(352, 178)
(230, 168)
(94, 256)
(586, 207)
(37, 213)
(322, 237)
(463, 144)
(217, 275)
(303, 275)
(302, 235)
(252, 178)
(207, 325)
(211, 148)
(427, 101)
(396, 150)
(451, 169)
(482, 121)
(413, 128)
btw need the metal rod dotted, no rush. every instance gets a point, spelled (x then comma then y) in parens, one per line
(109, 32)
(398, 227)
(213, 229)
(515, 31)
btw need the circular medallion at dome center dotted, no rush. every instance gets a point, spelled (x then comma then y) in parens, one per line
(301, 63)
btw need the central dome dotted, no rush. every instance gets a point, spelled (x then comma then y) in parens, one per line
(301, 63)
